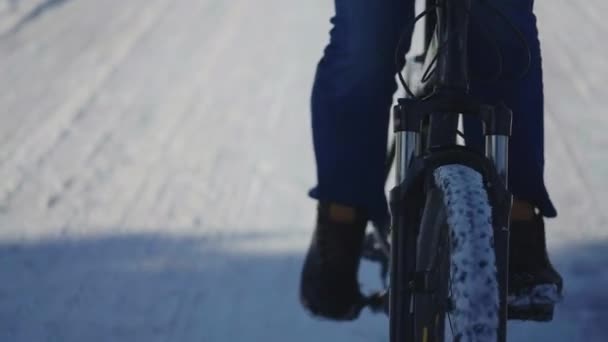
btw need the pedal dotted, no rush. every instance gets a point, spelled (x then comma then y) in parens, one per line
(372, 251)
(377, 302)
(536, 312)
(537, 304)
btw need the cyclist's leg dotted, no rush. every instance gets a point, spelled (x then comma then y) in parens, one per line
(351, 99)
(524, 96)
(533, 282)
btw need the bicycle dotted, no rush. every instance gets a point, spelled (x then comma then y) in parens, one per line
(449, 237)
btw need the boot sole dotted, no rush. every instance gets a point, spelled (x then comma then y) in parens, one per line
(537, 304)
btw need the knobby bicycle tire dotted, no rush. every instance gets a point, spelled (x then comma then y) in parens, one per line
(456, 240)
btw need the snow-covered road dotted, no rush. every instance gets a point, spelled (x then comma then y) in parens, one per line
(155, 157)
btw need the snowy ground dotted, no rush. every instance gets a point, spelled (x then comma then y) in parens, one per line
(155, 155)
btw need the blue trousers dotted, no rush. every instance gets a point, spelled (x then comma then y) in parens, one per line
(355, 82)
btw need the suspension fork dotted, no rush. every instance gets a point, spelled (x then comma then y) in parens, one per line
(403, 240)
(497, 131)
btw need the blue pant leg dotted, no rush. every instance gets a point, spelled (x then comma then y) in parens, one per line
(523, 96)
(351, 99)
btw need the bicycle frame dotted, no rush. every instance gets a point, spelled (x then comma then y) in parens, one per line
(415, 157)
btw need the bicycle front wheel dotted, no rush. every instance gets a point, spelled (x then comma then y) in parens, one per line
(456, 258)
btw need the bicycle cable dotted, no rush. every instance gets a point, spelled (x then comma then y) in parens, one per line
(409, 29)
(461, 134)
(495, 46)
(430, 70)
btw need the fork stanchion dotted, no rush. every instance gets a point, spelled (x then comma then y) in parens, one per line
(497, 129)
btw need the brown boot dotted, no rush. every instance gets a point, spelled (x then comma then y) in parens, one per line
(329, 285)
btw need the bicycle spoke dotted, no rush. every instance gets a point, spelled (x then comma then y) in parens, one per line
(449, 311)
(451, 326)
(451, 290)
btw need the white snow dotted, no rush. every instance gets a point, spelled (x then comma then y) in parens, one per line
(155, 156)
